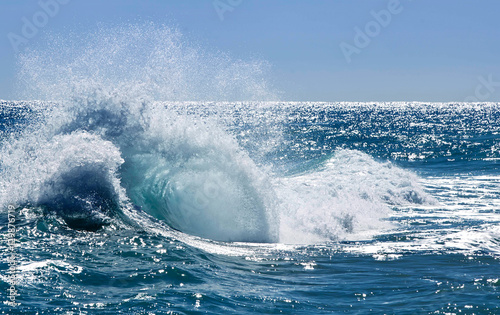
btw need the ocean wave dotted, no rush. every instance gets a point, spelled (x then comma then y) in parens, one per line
(108, 151)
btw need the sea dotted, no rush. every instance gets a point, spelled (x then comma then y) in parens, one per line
(116, 200)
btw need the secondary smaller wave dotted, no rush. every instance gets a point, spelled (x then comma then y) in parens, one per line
(346, 198)
(73, 176)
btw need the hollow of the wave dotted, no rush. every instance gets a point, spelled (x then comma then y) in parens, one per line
(201, 198)
(83, 198)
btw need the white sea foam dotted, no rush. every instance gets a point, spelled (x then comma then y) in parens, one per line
(347, 198)
(464, 220)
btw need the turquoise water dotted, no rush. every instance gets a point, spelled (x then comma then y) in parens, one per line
(123, 191)
(253, 207)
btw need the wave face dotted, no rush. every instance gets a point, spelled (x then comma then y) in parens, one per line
(117, 149)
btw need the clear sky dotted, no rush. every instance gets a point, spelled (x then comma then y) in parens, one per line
(420, 50)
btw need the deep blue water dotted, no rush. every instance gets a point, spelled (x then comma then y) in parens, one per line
(295, 208)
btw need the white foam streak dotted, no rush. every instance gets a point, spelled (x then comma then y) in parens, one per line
(464, 220)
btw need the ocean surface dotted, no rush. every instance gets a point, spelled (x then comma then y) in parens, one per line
(142, 207)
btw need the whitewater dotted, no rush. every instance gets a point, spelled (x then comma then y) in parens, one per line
(150, 176)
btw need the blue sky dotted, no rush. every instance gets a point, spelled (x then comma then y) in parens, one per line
(427, 50)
